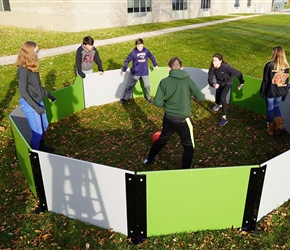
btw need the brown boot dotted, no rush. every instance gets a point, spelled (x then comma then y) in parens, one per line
(270, 128)
(278, 125)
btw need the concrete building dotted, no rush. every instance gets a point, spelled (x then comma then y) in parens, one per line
(81, 15)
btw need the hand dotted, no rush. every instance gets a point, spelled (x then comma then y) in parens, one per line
(240, 86)
(123, 73)
(156, 67)
(101, 72)
(216, 85)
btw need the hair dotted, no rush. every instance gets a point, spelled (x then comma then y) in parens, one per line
(278, 58)
(175, 63)
(88, 40)
(139, 41)
(27, 58)
(220, 57)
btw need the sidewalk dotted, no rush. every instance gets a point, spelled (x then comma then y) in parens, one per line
(6, 60)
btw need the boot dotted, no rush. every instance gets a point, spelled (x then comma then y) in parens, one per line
(270, 128)
(44, 148)
(278, 125)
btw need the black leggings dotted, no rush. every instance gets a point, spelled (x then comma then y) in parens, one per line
(221, 97)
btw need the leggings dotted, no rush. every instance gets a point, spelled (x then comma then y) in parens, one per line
(221, 97)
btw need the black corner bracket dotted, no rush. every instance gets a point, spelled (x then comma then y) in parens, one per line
(255, 187)
(37, 175)
(136, 207)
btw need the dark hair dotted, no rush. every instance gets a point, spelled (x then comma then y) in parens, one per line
(175, 63)
(220, 57)
(139, 41)
(88, 40)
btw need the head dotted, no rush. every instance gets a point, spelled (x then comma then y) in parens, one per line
(217, 60)
(278, 58)
(28, 56)
(88, 43)
(175, 63)
(139, 44)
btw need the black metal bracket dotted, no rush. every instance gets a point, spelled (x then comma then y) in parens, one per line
(136, 207)
(37, 175)
(253, 199)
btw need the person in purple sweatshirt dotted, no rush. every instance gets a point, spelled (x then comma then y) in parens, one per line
(139, 57)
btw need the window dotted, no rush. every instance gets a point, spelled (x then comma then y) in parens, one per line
(249, 3)
(4, 5)
(237, 3)
(179, 4)
(138, 6)
(205, 4)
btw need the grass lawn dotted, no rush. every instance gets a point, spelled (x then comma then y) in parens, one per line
(245, 44)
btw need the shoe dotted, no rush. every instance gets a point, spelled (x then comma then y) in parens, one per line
(223, 122)
(216, 108)
(147, 162)
(123, 101)
(150, 101)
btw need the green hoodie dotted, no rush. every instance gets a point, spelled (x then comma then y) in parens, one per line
(174, 93)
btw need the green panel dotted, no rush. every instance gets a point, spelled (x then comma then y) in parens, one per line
(196, 199)
(22, 151)
(155, 77)
(69, 100)
(249, 97)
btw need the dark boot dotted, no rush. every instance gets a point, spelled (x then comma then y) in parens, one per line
(278, 125)
(270, 129)
(44, 148)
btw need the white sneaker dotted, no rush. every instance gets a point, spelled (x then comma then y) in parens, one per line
(216, 108)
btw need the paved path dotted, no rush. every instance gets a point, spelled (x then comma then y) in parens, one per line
(70, 48)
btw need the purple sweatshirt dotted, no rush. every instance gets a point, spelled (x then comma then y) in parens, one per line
(140, 62)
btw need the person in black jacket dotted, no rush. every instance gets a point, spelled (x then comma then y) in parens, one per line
(274, 88)
(86, 56)
(32, 93)
(220, 76)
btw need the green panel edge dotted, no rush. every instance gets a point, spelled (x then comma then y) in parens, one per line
(196, 199)
(68, 100)
(22, 152)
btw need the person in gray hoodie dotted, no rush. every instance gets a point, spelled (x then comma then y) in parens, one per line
(174, 95)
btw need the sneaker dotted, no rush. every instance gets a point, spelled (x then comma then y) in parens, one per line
(150, 101)
(147, 162)
(123, 101)
(216, 108)
(223, 122)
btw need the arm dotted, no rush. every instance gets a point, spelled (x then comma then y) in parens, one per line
(210, 77)
(159, 96)
(127, 61)
(152, 58)
(98, 60)
(237, 73)
(79, 63)
(265, 80)
(196, 92)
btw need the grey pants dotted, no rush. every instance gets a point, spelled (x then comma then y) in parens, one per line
(132, 83)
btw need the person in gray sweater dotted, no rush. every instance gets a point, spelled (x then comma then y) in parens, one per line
(32, 93)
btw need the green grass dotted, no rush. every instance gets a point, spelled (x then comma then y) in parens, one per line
(246, 45)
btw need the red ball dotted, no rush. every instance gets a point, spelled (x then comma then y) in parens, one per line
(156, 136)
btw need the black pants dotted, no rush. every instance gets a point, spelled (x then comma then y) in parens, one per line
(221, 97)
(171, 125)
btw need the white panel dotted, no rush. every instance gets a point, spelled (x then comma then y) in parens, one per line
(276, 189)
(106, 88)
(90, 192)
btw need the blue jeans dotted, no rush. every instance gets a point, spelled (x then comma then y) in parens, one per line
(38, 123)
(273, 109)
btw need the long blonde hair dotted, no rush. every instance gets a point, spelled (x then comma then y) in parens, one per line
(27, 58)
(278, 58)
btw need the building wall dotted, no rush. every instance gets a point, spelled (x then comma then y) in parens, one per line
(73, 16)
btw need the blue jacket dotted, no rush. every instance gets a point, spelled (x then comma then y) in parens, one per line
(139, 62)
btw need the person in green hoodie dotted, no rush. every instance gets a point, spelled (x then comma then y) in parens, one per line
(174, 94)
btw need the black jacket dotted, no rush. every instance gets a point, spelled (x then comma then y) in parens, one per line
(224, 75)
(274, 83)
